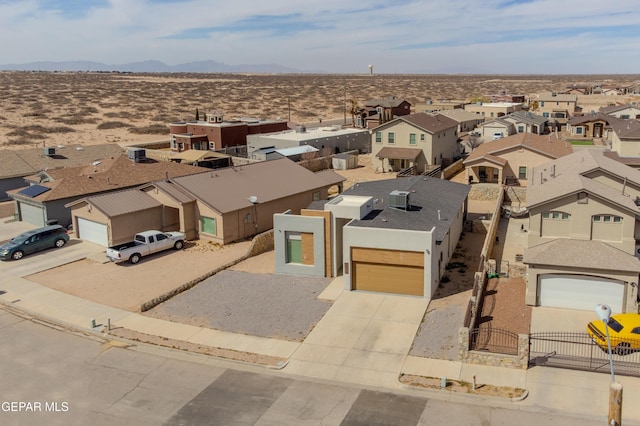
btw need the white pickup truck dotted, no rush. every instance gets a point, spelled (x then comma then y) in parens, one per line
(145, 243)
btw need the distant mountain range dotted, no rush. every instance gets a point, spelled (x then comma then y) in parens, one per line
(151, 66)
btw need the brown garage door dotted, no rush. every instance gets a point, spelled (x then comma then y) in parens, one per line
(397, 279)
(388, 271)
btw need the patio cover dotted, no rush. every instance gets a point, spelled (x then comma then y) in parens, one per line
(399, 153)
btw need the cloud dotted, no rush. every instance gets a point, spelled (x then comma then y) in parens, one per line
(331, 35)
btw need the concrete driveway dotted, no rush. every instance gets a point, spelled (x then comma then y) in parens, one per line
(558, 319)
(9, 228)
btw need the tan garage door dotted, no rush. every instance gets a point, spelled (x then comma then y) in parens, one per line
(388, 271)
(397, 279)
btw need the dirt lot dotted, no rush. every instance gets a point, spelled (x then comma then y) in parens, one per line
(126, 286)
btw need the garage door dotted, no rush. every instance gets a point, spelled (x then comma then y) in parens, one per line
(93, 231)
(32, 214)
(580, 292)
(397, 279)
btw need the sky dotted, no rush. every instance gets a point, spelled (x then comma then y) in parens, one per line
(334, 36)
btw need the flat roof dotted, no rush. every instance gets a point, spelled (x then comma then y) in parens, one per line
(312, 133)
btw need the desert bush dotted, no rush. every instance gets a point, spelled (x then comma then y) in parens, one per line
(153, 129)
(112, 125)
(76, 120)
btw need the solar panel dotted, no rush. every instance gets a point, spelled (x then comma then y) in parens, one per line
(34, 190)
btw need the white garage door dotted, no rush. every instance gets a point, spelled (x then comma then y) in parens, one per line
(580, 292)
(93, 231)
(32, 214)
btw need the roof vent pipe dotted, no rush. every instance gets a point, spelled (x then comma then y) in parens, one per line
(439, 218)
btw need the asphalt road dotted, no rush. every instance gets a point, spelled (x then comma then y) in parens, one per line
(55, 377)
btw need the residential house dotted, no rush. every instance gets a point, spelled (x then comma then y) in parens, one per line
(584, 233)
(222, 205)
(495, 126)
(44, 200)
(511, 160)
(215, 133)
(557, 107)
(385, 109)
(467, 121)
(390, 236)
(417, 140)
(333, 138)
(627, 111)
(527, 122)
(493, 109)
(294, 153)
(625, 137)
(503, 96)
(593, 125)
(16, 164)
(432, 106)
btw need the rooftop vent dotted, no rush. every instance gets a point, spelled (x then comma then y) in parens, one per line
(49, 151)
(138, 155)
(301, 129)
(399, 200)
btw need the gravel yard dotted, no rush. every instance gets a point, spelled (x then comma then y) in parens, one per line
(267, 305)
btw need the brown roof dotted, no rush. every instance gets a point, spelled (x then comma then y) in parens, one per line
(543, 144)
(107, 175)
(122, 202)
(24, 162)
(229, 189)
(399, 153)
(626, 128)
(583, 254)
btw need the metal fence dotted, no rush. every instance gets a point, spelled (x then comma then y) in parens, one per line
(494, 340)
(578, 351)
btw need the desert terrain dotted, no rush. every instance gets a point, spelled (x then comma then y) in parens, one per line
(50, 109)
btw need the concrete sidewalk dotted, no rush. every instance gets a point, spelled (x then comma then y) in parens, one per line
(363, 339)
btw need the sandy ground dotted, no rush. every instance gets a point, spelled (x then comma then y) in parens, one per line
(127, 286)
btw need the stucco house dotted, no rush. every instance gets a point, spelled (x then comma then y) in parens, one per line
(390, 236)
(467, 121)
(416, 140)
(489, 110)
(511, 160)
(626, 111)
(593, 125)
(16, 164)
(527, 122)
(625, 137)
(584, 233)
(48, 193)
(494, 126)
(222, 206)
(557, 107)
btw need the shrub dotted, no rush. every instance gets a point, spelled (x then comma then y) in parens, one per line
(112, 125)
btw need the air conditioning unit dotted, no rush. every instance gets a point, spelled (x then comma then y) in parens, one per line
(49, 151)
(399, 200)
(137, 155)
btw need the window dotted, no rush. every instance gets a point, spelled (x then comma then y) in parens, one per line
(412, 139)
(208, 225)
(578, 130)
(520, 129)
(161, 237)
(625, 116)
(391, 138)
(378, 137)
(522, 172)
(556, 215)
(294, 247)
(541, 103)
(617, 219)
(492, 114)
(545, 114)
(422, 136)
(596, 218)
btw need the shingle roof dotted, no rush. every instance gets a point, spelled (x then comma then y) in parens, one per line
(566, 175)
(427, 122)
(626, 128)
(615, 108)
(390, 102)
(110, 174)
(526, 117)
(228, 189)
(584, 254)
(428, 198)
(589, 118)
(543, 144)
(25, 162)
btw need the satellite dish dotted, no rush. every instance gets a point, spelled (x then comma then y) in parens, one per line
(253, 199)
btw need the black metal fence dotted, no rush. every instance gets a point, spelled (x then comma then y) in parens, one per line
(578, 351)
(494, 340)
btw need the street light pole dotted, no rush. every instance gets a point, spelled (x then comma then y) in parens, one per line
(615, 389)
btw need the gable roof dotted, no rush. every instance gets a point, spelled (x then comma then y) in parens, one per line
(24, 162)
(626, 128)
(580, 253)
(556, 97)
(566, 176)
(460, 115)
(431, 123)
(227, 190)
(120, 202)
(500, 121)
(108, 175)
(526, 117)
(547, 145)
(429, 198)
(587, 118)
(615, 108)
(390, 102)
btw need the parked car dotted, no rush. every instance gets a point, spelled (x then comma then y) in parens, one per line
(497, 135)
(33, 241)
(624, 331)
(145, 243)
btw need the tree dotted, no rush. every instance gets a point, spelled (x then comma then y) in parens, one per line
(197, 115)
(474, 141)
(533, 105)
(353, 110)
